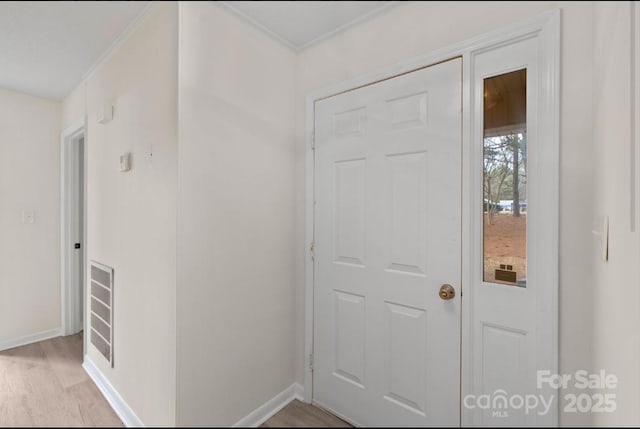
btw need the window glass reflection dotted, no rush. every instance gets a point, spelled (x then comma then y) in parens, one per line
(505, 179)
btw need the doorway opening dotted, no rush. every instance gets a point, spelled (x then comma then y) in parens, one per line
(73, 229)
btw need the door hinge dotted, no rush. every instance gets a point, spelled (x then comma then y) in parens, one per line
(313, 140)
(312, 251)
(311, 362)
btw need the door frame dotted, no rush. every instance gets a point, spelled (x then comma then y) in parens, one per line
(545, 27)
(635, 119)
(70, 321)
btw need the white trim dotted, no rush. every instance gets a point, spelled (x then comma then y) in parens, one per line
(484, 41)
(271, 407)
(315, 40)
(119, 405)
(308, 242)
(119, 41)
(348, 25)
(257, 25)
(67, 318)
(635, 117)
(547, 27)
(29, 339)
(85, 217)
(73, 128)
(547, 239)
(468, 229)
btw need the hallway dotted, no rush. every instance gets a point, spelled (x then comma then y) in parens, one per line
(44, 384)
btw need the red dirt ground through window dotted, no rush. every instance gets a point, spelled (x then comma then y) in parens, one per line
(505, 242)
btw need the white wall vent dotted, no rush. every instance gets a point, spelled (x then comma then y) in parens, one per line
(101, 318)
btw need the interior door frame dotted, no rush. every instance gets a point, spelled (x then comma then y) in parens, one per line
(635, 119)
(546, 27)
(69, 320)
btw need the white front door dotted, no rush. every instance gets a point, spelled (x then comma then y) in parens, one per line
(387, 237)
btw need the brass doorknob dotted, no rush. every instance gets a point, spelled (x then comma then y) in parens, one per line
(447, 291)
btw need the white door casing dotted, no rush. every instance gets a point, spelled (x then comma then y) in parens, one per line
(388, 235)
(78, 239)
(542, 232)
(72, 229)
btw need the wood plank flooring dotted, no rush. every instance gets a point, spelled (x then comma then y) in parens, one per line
(297, 414)
(44, 384)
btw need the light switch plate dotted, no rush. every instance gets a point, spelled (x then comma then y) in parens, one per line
(125, 162)
(105, 114)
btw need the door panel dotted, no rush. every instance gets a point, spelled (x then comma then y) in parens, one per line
(349, 211)
(349, 337)
(387, 236)
(406, 354)
(408, 212)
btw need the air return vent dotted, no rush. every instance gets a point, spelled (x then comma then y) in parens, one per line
(101, 320)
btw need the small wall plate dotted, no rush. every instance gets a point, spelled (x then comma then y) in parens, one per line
(125, 162)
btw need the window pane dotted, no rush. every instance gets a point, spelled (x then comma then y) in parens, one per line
(505, 179)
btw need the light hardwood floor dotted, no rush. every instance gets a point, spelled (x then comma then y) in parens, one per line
(297, 414)
(43, 384)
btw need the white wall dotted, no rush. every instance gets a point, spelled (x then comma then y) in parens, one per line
(73, 107)
(29, 180)
(235, 301)
(617, 293)
(415, 28)
(132, 216)
(239, 305)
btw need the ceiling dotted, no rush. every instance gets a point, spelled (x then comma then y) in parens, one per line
(505, 102)
(298, 24)
(47, 47)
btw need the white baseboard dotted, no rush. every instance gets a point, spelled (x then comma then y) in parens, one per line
(28, 339)
(122, 409)
(272, 406)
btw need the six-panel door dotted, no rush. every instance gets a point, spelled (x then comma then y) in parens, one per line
(387, 236)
